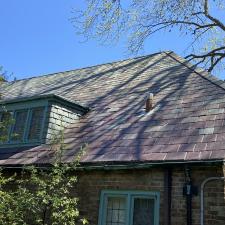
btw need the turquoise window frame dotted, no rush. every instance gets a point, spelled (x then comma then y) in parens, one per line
(130, 196)
(29, 109)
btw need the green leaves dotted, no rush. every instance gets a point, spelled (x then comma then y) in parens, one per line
(39, 197)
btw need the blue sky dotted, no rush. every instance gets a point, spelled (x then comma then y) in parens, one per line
(37, 38)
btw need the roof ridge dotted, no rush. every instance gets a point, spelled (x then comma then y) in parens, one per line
(81, 68)
(200, 71)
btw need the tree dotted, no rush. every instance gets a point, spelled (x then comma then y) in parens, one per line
(5, 117)
(38, 196)
(3, 75)
(108, 20)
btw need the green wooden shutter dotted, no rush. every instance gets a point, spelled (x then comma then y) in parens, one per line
(35, 126)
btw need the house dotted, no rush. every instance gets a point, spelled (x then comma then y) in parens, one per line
(155, 160)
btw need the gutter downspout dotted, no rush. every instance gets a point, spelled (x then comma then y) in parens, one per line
(167, 195)
(202, 195)
(188, 195)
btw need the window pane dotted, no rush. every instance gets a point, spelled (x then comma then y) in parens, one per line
(116, 211)
(143, 211)
(19, 126)
(5, 122)
(37, 116)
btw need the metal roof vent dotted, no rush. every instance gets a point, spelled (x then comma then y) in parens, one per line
(149, 102)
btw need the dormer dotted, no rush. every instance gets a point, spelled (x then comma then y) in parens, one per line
(36, 120)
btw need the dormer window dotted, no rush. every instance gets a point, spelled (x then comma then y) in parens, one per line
(23, 125)
(36, 120)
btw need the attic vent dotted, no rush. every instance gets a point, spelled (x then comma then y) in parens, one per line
(149, 102)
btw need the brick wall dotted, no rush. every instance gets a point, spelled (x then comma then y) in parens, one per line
(214, 196)
(92, 182)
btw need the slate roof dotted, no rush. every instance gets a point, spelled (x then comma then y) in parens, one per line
(186, 125)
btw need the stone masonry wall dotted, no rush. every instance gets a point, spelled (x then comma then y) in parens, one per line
(92, 182)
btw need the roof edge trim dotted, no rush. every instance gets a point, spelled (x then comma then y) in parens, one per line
(48, 97)
(144, 165)
(148, 164)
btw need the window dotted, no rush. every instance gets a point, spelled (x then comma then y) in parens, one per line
(5, 121)
(35, 125)
(129, 208)
(19, 125)
(25, 126)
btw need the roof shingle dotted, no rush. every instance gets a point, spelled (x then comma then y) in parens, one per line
(186, 125)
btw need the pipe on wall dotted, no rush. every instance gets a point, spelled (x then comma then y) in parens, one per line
(202, 195)
(167, 195)
(188, 190)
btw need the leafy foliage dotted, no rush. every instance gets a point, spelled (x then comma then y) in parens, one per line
(137, 20)
(3, 75)
(6, 120)
(38, 196)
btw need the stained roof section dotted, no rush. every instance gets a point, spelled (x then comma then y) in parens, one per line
(186, 125)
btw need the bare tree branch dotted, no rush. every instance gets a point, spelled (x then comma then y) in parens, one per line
(213, 19)
(211, 53)
(216, 62)
(110, 20)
